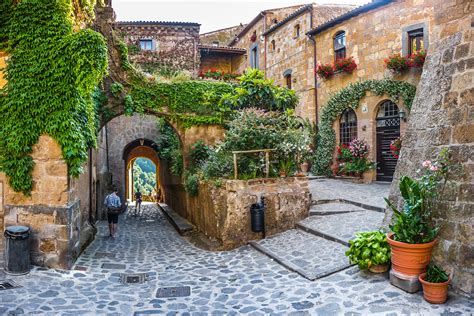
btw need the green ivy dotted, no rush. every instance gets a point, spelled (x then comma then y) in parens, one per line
(350, 97)
(123, 52)
(52, 74)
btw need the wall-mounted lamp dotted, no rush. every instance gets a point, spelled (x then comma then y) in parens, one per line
(403, 115)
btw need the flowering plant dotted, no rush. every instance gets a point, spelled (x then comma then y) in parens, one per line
(397, 62)
(353, 157)
(395, 147)
(347, 65)
(417, 59)
(325, 71)
(359, 148)
(253, 37)
(343, 153)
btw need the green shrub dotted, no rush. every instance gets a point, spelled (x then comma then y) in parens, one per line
(369, 249)
(169, 147)
(191, 183)
(198, 153)
(116, 88)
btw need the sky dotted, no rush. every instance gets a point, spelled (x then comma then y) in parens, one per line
(212, 15)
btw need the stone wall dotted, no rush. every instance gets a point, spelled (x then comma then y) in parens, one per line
(443, 117)
(223, 213)
(220, 37)
(174, 44)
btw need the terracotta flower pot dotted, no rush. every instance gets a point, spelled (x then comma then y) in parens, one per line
(435, 293)
(409, 259)
(379, 268)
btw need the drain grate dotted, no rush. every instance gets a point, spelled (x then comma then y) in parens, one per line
(8, 285)
(179, 291)
(133, 278)
(113, 266)
(100, 255)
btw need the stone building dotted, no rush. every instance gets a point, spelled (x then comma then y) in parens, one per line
(162, 45)
(220, 37)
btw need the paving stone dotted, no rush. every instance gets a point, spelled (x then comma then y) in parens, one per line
(344, 226)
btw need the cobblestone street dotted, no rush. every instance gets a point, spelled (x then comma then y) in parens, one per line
(243, 281)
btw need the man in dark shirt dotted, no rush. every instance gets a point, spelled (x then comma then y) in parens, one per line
(138, 202)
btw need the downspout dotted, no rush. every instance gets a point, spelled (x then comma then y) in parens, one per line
(315, 94)
(107, 148)
(265, 44)
(91, 183)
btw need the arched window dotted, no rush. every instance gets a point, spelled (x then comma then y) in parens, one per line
(297, 30)
(348, 126)
(340, 45)
(387, 109)
(288, 81)
(273, 45)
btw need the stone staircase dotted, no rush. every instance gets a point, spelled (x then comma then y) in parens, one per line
(316, 247)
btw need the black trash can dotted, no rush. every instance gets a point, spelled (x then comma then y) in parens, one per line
(257, 218)
(17, 252)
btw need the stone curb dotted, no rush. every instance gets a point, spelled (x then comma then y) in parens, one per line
(320, 234)
(362, 205)
(285, 263)
(180, 224)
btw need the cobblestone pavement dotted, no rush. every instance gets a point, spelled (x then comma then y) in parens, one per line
(344, 226)
(331, 189)
(242, 281)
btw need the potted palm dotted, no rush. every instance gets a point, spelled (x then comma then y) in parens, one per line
(413, 231)
(435, 284)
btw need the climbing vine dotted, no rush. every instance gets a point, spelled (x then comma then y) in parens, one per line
(350, 97)
(51, 76)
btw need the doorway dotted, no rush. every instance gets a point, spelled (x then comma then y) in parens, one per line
(388, 129)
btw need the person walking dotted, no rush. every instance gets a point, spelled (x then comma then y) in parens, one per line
(113, 204)
(138, 202)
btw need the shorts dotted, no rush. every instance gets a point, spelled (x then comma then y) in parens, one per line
(112, 218)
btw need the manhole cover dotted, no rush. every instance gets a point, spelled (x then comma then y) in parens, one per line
(179, 291)
(114, 266)
(109, 255)
(8, 285)
(133, 278)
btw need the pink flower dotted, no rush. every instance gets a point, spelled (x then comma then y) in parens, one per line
(434, 168)
(426, 164)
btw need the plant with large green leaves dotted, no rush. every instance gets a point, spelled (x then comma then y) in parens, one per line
(369, 249)
(349, 97)
(51, 76)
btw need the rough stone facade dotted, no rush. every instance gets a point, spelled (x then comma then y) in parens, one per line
(174, 45)
(442, 117)
(223, 213)
(220, 37)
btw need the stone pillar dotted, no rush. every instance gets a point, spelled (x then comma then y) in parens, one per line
(442, 117)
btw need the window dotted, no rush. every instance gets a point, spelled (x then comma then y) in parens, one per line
(348, 126)
(297, 30)
(415, 41)
(288, 81)
(273, 46)
(340, 45)
(254, 57)
(146, 44)
(215, 43)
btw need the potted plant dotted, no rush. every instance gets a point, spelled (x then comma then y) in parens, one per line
(435, 284)
(325, 71)
(413, 231)
(347, 65)
(397, 63)
(370, 250)
(417, 59)
(395, 147)
(287, 168)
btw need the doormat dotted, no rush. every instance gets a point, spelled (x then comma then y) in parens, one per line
(179, 291)
(133, 278)
(8, 285)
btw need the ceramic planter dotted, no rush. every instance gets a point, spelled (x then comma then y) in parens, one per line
(435, 293)
(409, 259)
(379, 268)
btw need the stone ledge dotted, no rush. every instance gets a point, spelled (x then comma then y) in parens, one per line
(182, 225)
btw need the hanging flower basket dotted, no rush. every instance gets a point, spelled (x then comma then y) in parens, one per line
(347, 65)
(395, 147)
(325, 71)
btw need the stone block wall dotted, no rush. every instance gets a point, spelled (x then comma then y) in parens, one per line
(443, 117)
(223, 213)
(220, 37)
(174, 44)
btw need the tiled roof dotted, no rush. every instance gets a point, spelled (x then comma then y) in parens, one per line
(166, 23)
(346, 16)
(289, 17)
(222, 49)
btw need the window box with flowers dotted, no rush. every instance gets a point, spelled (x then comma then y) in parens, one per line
(347, 65)
(417, 59)
(397, 63)
(325, 71)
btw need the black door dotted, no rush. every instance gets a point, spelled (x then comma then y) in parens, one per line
(388, 129)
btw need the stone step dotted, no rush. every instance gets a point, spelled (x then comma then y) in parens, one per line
(333, 208)
(366, 206)
(310, 256)
(181, 224)
(342, 227)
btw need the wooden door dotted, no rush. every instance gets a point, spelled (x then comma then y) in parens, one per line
(388, 129)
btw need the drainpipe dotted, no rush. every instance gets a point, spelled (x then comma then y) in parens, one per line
(315, 94)
(264, 45)
(107, 148)
(91, 183)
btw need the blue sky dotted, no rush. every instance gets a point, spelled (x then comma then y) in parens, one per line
(212, 15)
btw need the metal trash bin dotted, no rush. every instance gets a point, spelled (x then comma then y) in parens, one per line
(257, 218)
(17, 252)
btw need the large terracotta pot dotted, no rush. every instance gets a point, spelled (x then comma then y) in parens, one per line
(379, 268)
(410, 259)
(435, 293)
